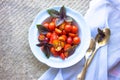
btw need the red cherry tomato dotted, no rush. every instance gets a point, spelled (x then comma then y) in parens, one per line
(46, 25)
(54, 19)
(64, 32)
(41, 37)
(69, 40)
(68, 27)
(76, 40)
(62, 56)
(67, 47)
(66, 54)
(52, 49)
(62, 26)
(74, 29)
(52, 26)
(49, 34)
(54, 36)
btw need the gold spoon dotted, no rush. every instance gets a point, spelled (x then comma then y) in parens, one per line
(99, 43)
(87, 56)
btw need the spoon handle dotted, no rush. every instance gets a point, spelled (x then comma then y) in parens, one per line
(81, 76)
(92, 56)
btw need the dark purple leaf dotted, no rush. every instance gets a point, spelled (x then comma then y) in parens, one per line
(40, 44)
(53, 13)
(101, 35)
(46, 50)
(59, 21)
(42, 29)
(68, 19)
(62, 12)
(49, 45)
(72, 50)
(101, 32)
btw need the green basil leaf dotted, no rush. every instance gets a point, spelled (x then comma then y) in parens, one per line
(59, 21)
(53, 13)
(42, 29)
(68, 19)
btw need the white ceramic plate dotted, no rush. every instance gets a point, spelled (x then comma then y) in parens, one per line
(56, 62)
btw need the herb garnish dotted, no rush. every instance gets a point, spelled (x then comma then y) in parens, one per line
(42, 29)
(101, 33)
(46, 47)
(61, 15)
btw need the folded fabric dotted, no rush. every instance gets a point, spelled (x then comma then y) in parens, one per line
(102, 13)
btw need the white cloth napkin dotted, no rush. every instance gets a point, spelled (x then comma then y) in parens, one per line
(101, 13)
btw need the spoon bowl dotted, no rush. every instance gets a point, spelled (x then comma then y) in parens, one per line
(104, 41)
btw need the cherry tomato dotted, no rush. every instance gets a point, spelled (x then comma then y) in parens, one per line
(54, 20)
(67, 47)
(52, 49)
(62, 56)
(49, 34)
(41, 37)
(68, 27)
(69, 40)
(46, 39)
(72, 34)
(46, 25)
(76, 40)
(62, 38)
(74, 29)
(62, 26)
(66, 54)
(54, 36)
(58, 44)
(64, 32)
(52, 26)
(58, 31)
